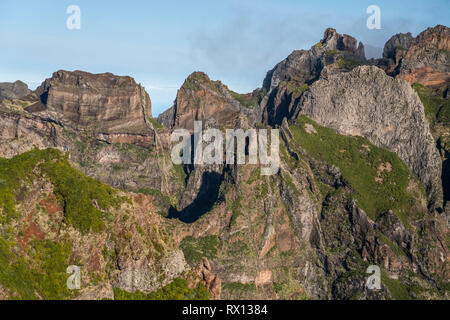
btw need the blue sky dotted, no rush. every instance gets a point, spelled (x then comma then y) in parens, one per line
(160, 43)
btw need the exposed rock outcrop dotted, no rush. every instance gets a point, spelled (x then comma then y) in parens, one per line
(304, 66)
(337, 205)
(101, 102)
(424, 59)
(204, 275)
(13, 90)
(103, 120)
(368, 103)
(287, 81)
(200, 99)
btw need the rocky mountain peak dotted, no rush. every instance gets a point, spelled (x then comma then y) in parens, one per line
(109, 103)
(401, 41)
(13, 90)
(198, 76)
(201, 98)
(84, 79)
(335, 41)
(305, 66)
(290, 78)
(424, 59)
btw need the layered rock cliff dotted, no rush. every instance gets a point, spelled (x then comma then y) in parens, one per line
(200, 99)
(358, 184)
(424, 59)
(103, 120)
(109, 103)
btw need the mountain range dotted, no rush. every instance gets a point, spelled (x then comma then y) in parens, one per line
(86, 179)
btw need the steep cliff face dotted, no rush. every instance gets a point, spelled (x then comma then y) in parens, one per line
(424, 59)
(103, 121)
(359, 176)
(337, 205)
(366, 102)
(200, 99)
(104, 102)
(287, 81)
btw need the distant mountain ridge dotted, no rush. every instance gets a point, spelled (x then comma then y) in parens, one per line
(363, 180)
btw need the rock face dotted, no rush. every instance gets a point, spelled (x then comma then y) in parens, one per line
(104, 102)
(424, 59)
(366, 102)
(200, 99)
(15, 90)
(400, 41)
(104, 122)
(338, 203)
(286, 82)
(131, 250)
(204, 275)
(306, 65)
(19, 133)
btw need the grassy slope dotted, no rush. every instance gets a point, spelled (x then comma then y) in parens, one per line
(40, 271)
(359, 161)
(176, 290)
(76, 191)
(437, 109)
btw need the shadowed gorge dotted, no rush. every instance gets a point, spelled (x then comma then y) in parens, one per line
(207, 197)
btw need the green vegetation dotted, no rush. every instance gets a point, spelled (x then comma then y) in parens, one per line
(196, 248)
(251, 99)
(254, 176)
(238, 248)
(261, 185)
(52, 260)
(177, 290)
(290, 184)
(294, 87)
(331, 52)
(297, 89)
(289, 289)
(76, 192)
(44, 278)
(236, 209)
(345, 63)
(195, 81)
(397, 289)
(155, 123)
(234, 287)
(437, 109)
(363, 166)
(397, 250)
(179, 173)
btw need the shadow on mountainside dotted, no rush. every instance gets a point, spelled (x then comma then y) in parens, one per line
(203, 203)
